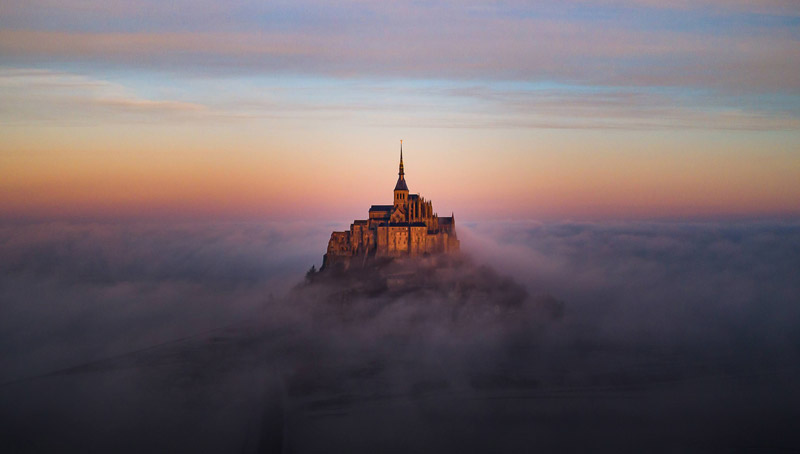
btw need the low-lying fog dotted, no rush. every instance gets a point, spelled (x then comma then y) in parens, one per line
(557, 337)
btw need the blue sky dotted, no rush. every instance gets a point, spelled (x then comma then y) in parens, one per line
(273, 82)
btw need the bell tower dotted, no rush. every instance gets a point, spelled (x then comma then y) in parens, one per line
(401, 189)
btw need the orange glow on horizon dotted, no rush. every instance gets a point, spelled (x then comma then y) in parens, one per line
(543, 184)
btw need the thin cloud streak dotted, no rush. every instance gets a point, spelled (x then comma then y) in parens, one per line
(38, 95)
(34, 96)
(464, 47)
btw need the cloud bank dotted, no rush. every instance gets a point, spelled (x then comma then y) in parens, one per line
(153, 336)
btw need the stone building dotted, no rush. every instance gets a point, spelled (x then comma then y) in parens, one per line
(407, 227)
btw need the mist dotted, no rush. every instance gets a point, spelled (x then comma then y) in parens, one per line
(545, 336)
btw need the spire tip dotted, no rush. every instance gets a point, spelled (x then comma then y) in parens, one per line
(401, 173)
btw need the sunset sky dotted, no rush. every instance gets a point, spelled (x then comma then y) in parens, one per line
(573, 110)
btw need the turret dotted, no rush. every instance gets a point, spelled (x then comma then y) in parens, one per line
(401, 189)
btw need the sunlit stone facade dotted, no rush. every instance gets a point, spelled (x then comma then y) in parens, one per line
(407, 227)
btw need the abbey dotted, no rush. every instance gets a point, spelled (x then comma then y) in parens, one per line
(407, 227)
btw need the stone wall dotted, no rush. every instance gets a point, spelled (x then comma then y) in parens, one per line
(410, 228)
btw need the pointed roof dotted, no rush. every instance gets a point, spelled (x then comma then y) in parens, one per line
(401, 179)
(402, 172)
(401, 185)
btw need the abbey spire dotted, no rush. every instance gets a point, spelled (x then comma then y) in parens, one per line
(402, 172)
(401, 189)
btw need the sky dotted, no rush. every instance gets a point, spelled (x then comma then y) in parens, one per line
(575, 110)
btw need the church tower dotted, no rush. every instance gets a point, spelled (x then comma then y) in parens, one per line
(408, 227)
(401, 189)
